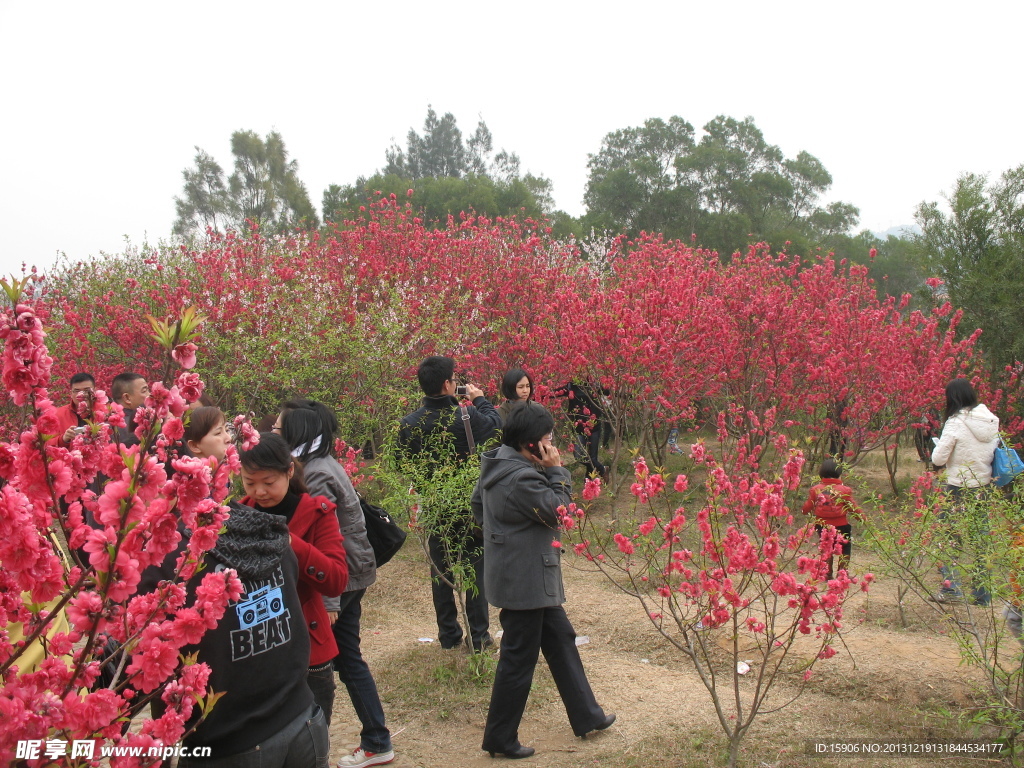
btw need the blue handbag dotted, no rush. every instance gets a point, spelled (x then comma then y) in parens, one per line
(1006, 465)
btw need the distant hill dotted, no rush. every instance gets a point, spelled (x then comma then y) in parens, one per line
(899, 231)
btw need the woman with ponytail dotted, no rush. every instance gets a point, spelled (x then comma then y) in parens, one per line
(309, 428)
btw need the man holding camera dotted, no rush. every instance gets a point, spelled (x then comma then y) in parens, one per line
(443, 433)
(69, 417)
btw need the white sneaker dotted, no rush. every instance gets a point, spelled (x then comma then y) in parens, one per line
(361, 758)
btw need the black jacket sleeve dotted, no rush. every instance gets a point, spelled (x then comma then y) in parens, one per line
(484, 420)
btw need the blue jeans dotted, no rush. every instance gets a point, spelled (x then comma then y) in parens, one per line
(355, 674)
(303, 743)
(1014, 621)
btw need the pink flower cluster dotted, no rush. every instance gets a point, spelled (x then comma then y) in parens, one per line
(245, 432)
(746, 554)
(352, 460)
(568, 516)
(26, 363)
(647, 485)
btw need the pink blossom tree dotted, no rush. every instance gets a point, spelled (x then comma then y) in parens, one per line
(725, 576)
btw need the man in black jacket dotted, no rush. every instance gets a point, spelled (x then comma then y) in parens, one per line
(130, 391)
(435, 437)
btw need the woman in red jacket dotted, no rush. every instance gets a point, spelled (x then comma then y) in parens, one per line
(831, 503)
(272, 480)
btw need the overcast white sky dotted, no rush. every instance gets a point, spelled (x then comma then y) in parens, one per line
(103, 103)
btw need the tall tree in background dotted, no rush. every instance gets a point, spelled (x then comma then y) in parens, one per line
(204, 202)
(264, 188)
(438, 152)
(978, 250)
(633, 182)
(897, 267)
(728, 188)
(450, 175)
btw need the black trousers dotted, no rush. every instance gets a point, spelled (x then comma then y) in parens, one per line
(588, 441)
(526, 633)
(449, 632)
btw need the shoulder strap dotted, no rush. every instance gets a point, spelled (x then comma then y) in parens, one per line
(469, 432)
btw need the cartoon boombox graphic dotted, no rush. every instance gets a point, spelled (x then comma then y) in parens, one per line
(263, 604)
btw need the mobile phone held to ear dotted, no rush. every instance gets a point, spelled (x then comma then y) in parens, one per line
(535, 450)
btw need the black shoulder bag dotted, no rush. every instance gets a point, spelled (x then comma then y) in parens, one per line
(385, 535)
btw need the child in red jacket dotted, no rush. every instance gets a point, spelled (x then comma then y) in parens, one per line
(831, 503)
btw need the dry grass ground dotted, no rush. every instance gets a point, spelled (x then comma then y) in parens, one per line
(889, 684)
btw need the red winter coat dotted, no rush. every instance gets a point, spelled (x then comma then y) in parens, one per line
(67, 416)
(830, 502)
(323, 569)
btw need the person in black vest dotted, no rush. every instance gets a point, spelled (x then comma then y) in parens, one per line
(521, 486)
(436, 435)
(259, 651)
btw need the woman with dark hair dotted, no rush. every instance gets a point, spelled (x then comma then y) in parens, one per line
(273, 483)
(968, 442)
(308, 428)
(516, 388)
(521, 486)
(206, 433)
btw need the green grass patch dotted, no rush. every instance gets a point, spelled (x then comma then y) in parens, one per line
(428, 681)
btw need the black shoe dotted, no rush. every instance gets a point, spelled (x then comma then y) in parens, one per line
(604, 724)
(483, 645)
(516, 753)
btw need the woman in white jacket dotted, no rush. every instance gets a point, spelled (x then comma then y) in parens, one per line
(968, 442)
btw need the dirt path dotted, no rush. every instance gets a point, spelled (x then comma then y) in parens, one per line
(877, 689)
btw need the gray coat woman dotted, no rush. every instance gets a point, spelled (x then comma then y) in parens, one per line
(517, 499)
(521, 485)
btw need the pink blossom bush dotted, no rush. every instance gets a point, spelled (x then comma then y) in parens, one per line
(67, 614)
(725, 565)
